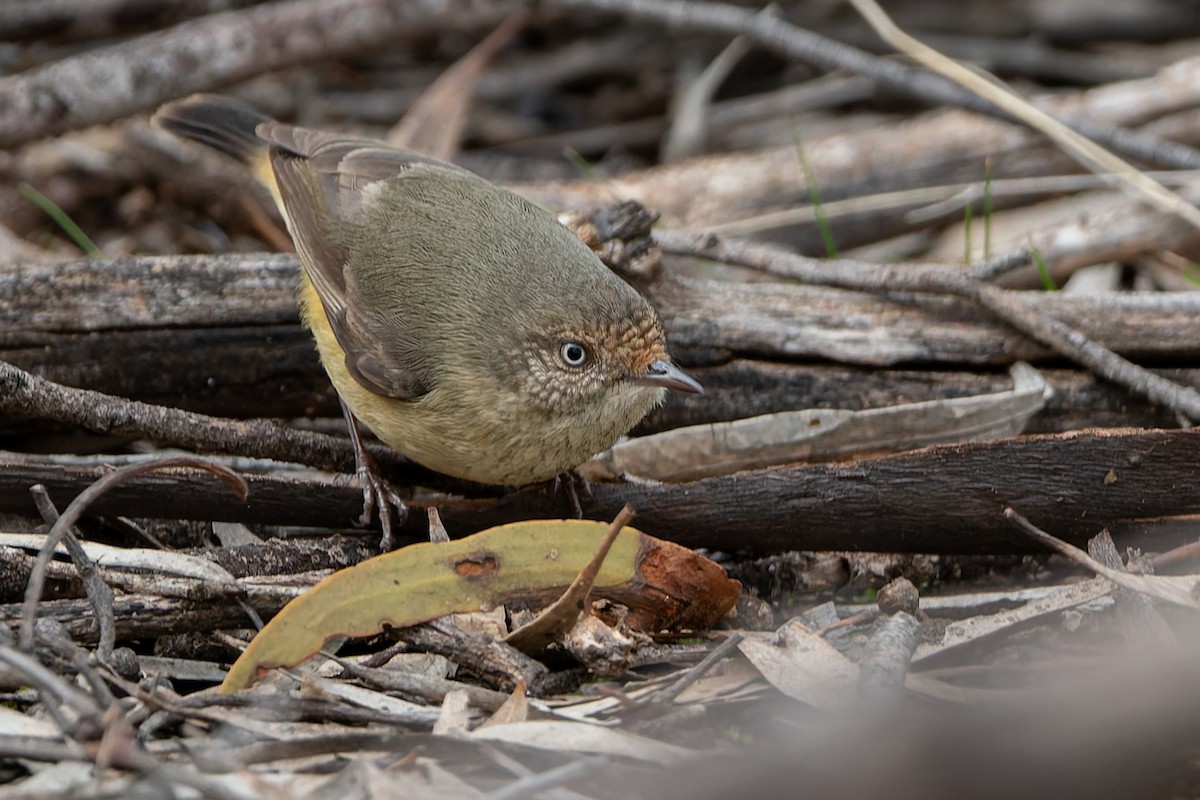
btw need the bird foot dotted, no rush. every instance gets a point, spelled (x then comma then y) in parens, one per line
(378, 495)
(573, 486)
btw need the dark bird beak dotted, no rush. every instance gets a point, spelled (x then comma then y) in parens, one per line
(667, 375)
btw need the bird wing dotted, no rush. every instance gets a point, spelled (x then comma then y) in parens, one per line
(324, 183)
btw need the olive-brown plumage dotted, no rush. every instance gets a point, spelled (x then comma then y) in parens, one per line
(463, 325)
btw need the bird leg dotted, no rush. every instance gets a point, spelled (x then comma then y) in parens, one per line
(573, 486)
(378, 494)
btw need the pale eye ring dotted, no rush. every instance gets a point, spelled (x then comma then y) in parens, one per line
(573, 354)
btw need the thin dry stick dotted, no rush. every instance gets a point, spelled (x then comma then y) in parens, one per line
(1086, 152)
(25, 394)
(1005, 304)
(99, 594)
(668, 693)
(37, 579)
(691, 110)
(55, 691)
(945, 197)
(434, 123)
(782, 37)
(1173, 558)
(1180, 590)
(58, 642)
(561, 615)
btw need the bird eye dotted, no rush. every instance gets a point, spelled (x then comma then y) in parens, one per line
(573, 354)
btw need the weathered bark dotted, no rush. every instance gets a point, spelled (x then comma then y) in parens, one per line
(219, 335)
(763, 318)
(273, 372)
(945, 499)
(107, 84)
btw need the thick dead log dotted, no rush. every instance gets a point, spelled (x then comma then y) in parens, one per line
(774, 319)
(218, 335)
(272, 371)
(945, 499)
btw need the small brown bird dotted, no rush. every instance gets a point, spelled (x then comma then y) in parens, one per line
(465, 326)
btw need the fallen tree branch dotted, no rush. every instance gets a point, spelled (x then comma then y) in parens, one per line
(766, 319)
(22, 393)
(138, 75)
(782, 37)
(943, 499)
(1007, 305)
(1082, 149)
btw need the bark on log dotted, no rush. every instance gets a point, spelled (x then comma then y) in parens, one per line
(945, 499)
(219, 335)
(767, 318)
(273, 372)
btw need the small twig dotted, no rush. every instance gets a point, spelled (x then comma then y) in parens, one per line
(25, 394)
(561, 615)
(1083, 150)
(54, 690)
(1178, 590)
(434, 123)
(690, 111)
(1101, 361)
(993, 268)
(1172, 558)
(791, 41)
(30, 748)
(37, 579)
(846, 622)
(99, 593)
(940, 200)
(1007, 305)
(668, 693)
(55, 638)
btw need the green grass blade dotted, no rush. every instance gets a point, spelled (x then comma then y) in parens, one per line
(987, 209)
(968, 215)
(73, 231)
(1044, 271)
(1191, 273)
(814, 197)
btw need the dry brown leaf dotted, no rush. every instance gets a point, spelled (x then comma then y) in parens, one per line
(802, 665)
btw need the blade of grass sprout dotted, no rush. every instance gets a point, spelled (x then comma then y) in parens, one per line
(968, 214)
(1191, 273)
(52, 210)
(987, 209)
(1043, 271)
(814, 197)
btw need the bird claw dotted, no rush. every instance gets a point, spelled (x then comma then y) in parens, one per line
(379, 496)
(573, 485)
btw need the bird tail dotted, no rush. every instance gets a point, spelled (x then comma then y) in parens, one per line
(222, 123)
